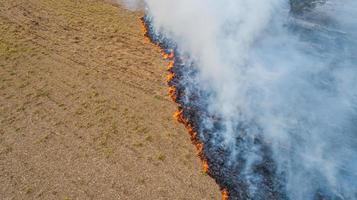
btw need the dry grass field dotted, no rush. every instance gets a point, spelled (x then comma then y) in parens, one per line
(84, 112)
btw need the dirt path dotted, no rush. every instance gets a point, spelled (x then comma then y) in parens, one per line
(84, 112)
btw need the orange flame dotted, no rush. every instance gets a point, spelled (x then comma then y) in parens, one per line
(172, 93)
(170, 77)
(147, 39)
(177, 115)
(205, 166)
(145, 31)
(199, 148)
(225, 194)
(170, 65)
(192, 133)
(170, 56)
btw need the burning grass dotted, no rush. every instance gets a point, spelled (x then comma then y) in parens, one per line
(169, 54)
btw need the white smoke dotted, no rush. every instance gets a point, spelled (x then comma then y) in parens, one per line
(294, 78)
(132, 4)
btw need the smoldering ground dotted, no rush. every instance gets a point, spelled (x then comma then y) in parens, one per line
(280, 76)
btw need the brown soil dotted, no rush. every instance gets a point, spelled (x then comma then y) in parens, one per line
(84, 112)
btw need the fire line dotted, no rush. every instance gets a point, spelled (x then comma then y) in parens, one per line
(169, 55)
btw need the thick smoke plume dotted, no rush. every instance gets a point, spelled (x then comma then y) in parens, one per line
(276, 84)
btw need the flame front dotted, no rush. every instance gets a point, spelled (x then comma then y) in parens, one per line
(170, 55)
(179, 114)
(172, 93)
(170, 77)
(225, 194)
(205, 167)
(170, 65)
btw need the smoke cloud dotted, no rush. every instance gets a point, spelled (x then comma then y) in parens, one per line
(282, 71)
(132, 4)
